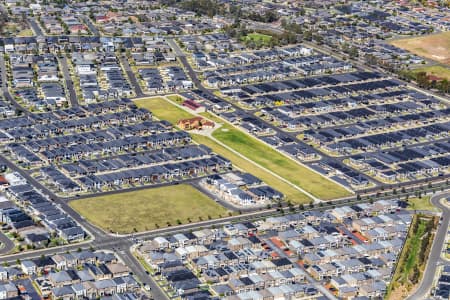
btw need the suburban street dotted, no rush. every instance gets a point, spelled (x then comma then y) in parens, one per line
(5, 89)
(68, 80)
(138, 270)
(309, 278)
(94, 30)
(35, 26)
(132, 77)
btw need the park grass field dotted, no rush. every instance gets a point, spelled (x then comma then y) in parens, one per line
(439, 71)
(433, 46)
(276, 162)
(148, 209)
(290, 193)
(163, 109)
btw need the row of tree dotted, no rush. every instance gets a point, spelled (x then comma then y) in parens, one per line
(424, 81)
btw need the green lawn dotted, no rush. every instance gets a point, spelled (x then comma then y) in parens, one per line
(421, 204)
(258, 38)
(163, 109)
(269, 158)
(148, 209)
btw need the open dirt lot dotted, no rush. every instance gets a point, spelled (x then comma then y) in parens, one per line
(434, 46)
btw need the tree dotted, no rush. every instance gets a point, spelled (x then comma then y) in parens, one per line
(422, 79)
(444, 86)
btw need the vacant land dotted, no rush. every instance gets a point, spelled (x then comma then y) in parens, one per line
(412, 260)
(434, 46)
(421, 204)
(276, 162)
(439, 71)
(163, 109)
(291, 194)
(149, 208)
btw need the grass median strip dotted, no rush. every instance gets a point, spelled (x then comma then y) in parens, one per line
(412, 261)
(149, 209)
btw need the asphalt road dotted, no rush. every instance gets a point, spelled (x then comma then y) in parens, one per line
(132, 77)
(5, 89)
(121, 244)
(68, 79)
(380, 185)
(434, 260)
(7, 244)
(89, 24)
(139, 271)
(35, 26)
